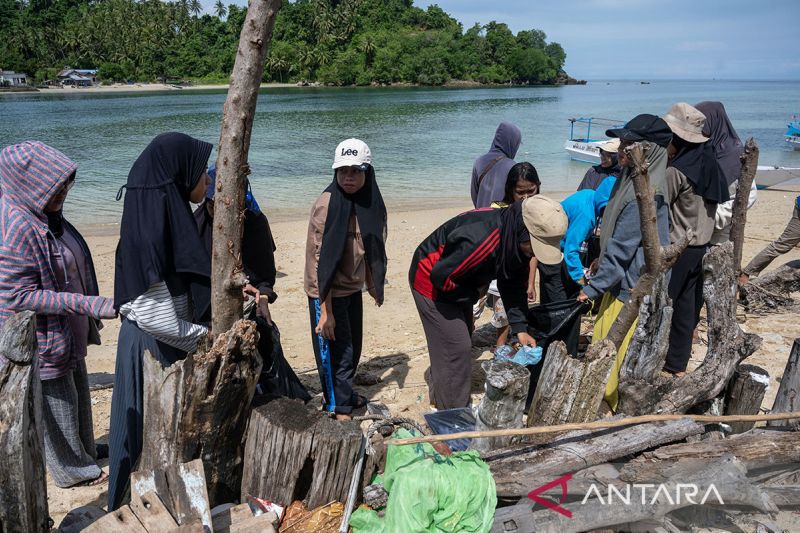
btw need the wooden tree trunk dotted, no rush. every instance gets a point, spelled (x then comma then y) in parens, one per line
(23, 489)
(503, 405)
(198, 409)
(295, 452)
(772, 292)
(227, 277)
(745, 393)
(787, 398)
(739, 215)
(571, 388)
(650, 342)
(518, 469)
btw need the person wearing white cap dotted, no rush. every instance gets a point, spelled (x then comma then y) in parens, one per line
(453, 264)
(345, 253)
(695, 185)
(609, 166)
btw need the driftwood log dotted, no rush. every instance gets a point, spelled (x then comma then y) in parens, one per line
(295, 452)
(23, 488)
(518, 469)
(198, 409)
(745, 393)
(772, 292)
(727, 475)
(571, 388)
(227, 277)
(180, 488)
(787, 397)
(739, 210)
(728, 345)
(503, 405)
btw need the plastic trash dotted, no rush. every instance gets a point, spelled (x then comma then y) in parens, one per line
(450, 421)
(504, 352)
(429, 492)
(527, 355)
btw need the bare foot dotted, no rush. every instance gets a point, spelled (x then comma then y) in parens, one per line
(99, 480)
(341, 416)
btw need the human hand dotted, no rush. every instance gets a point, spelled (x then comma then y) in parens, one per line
(326, 325)
(249, 290)
(593, 267)
(531, 294)
(582, 296)
(525, 339)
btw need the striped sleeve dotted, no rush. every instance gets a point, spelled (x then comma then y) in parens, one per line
(156, 313)
(20, 280)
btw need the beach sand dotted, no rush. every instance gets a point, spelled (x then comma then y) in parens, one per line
(148, 87)
(395, 360)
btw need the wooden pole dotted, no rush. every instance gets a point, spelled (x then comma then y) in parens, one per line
(789, 390)
(227, 278)
(600, 424)
(739, 216)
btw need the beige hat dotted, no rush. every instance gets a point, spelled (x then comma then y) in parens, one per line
(610, 146)
(686, 122)
(547, 223)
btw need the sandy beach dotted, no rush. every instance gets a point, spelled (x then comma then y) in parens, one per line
(147, 87)
(395, 358)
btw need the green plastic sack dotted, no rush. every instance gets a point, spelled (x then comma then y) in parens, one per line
(432, 493)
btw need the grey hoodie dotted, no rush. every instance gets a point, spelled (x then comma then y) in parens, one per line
(506, 142)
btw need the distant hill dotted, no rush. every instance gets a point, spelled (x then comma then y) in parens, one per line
(333, 42)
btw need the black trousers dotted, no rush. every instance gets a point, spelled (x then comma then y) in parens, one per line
(337, 360)
(448, 330)
(686, 292)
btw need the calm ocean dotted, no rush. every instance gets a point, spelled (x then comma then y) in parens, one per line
(423, 140)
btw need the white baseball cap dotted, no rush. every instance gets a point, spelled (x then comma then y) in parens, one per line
(352, 153)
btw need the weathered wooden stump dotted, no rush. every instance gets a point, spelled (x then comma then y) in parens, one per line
(745, 393)
(772, 292)
(571, 388)
(23, 489)
(503, 405)
(198, 409)
(295, 452)
(787, 401)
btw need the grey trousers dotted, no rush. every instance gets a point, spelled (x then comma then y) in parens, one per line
(448, 330)
(788, 240)
(68, 434)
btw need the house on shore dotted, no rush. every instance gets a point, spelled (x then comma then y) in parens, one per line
(77, 77)
(9, 78)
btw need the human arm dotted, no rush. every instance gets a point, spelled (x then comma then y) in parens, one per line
(466, 247)
(579, 230)
(326, 325)
(515, 300)
(620, 251)
(533, 265)
(155, 313)
(473, 187)
(724, 213)
(258, 254)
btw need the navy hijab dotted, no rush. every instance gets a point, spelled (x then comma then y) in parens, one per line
(158, 235)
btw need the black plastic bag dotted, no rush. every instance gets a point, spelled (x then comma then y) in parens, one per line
(277, 379)
(450, 421)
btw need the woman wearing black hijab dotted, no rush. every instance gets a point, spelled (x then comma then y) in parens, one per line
(159, 258)
(695, 186)
(345, 253)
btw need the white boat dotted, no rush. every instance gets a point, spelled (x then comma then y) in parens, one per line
(586, 149)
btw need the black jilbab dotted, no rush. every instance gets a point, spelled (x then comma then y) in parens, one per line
(158, 234)
(512, 232)
(370, 212)
(698, 163)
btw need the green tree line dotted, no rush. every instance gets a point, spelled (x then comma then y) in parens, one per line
(336, 42)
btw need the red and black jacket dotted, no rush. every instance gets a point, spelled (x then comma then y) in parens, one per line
(459, 259)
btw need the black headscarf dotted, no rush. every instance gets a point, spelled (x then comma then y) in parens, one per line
(699, 164)
(371, 215)
(158, 235)
(512, 232)
(727, 146)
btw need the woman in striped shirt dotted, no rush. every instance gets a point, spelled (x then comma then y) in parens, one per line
(46, 267)
(160, 257)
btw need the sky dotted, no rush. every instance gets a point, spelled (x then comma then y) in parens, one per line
(653, 39)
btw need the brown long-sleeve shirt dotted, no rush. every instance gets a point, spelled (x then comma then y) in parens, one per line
(687, 209)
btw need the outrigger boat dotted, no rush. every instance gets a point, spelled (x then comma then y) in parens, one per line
(792, 134)
(586, 149)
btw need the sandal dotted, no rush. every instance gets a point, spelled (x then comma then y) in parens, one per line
(99, 480)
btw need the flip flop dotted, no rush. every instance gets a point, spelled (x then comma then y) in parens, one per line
(99, 480)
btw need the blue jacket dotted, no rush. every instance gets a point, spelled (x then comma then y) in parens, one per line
(583, 210)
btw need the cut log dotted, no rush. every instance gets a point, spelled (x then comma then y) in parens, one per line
(518, 469)
(772, 292)
(650, 342)
(198, 409)
(728, 346)
(503, 405)
(23, 488)
(152, 513)
(181, 488)
(295, 452)
(726, 475)
(739, 209)
(571, 388)
(227, 277)
(120, 521)
(787, 397)
(745, 393)
(757, 450)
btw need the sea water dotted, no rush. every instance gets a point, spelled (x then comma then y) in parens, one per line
(423, 140)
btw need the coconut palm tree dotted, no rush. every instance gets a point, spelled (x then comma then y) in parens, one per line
(195, 7)
(220, 9)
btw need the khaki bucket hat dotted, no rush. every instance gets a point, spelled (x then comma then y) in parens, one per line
(547, 223)
(686, 122)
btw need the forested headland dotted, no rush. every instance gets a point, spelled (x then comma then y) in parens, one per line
(333, 42)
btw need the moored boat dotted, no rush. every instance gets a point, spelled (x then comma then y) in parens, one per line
(585, 148)
(792, 134)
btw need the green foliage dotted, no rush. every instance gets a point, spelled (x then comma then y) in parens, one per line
(334, 42)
